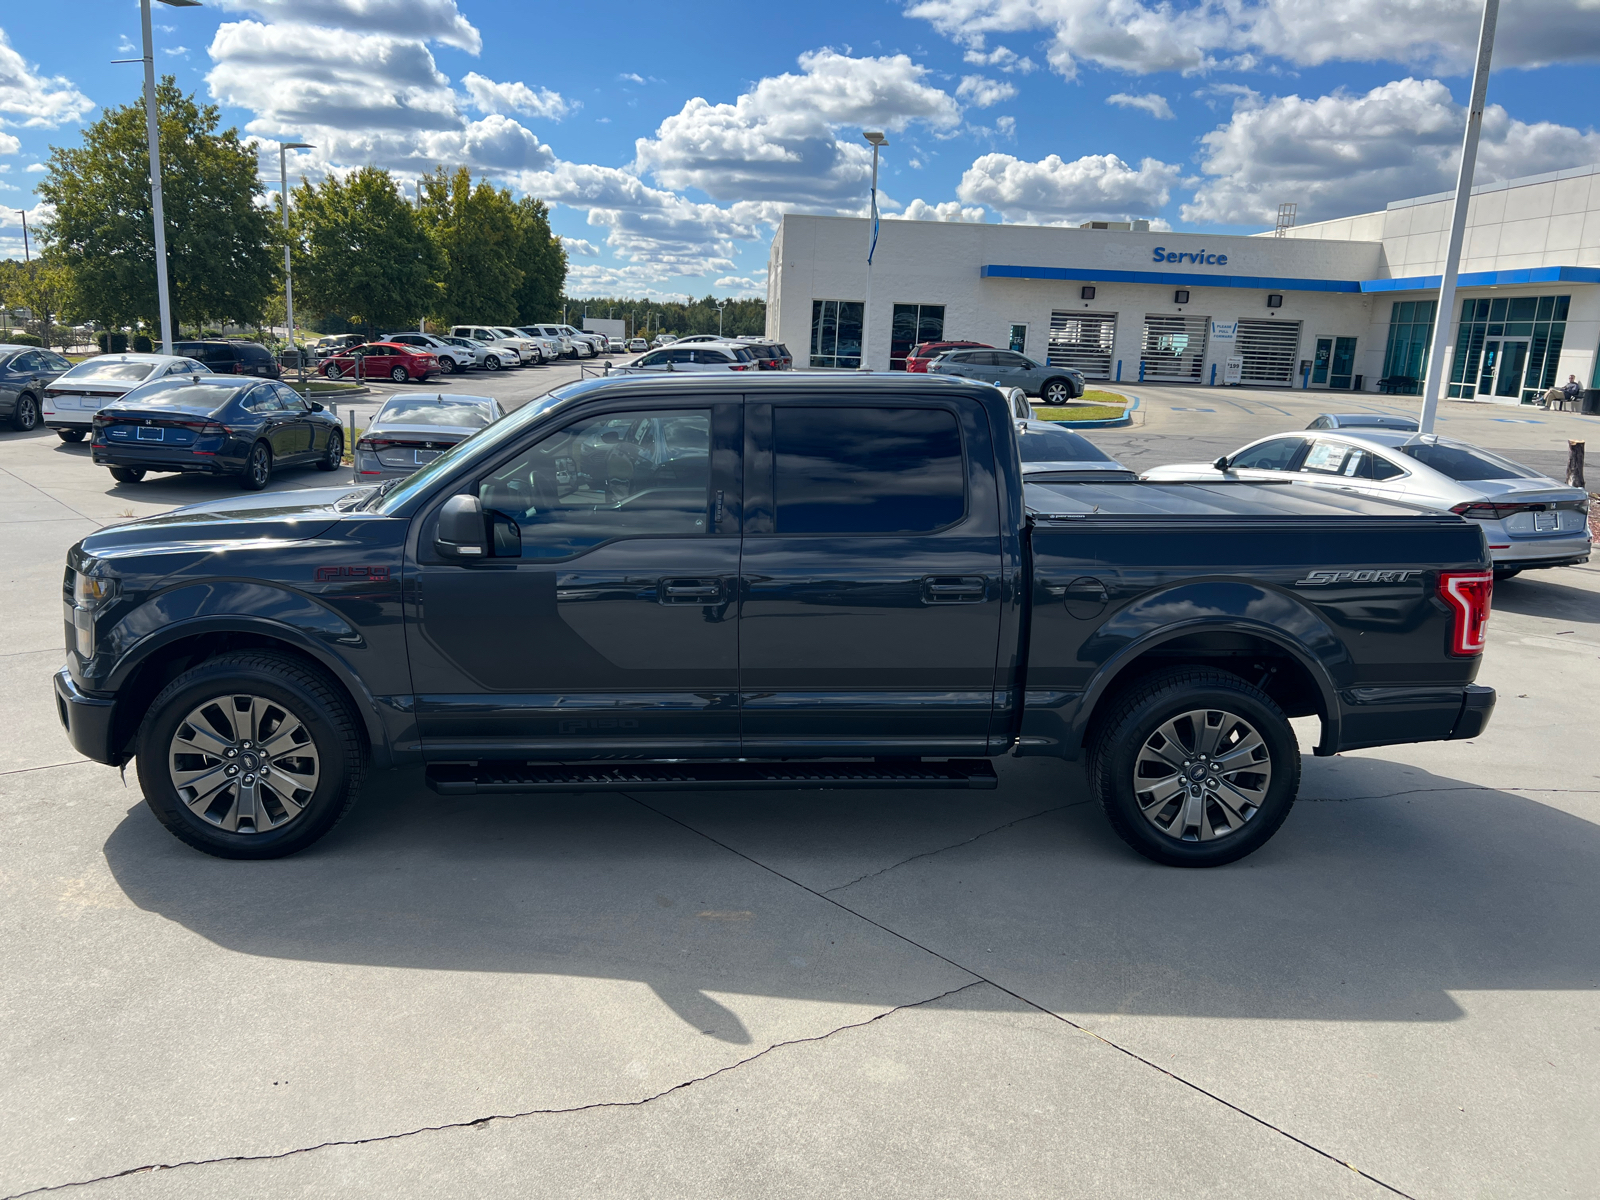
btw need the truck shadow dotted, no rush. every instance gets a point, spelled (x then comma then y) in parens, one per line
(1388, 889)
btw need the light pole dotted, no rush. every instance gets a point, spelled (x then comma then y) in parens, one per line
(721, 304)
(878, 141)
(151, 126)
(1458, 222)
(288, 269)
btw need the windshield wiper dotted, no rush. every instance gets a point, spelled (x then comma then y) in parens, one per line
(378, 493)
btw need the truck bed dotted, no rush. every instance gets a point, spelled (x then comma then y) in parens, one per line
(1141, 498)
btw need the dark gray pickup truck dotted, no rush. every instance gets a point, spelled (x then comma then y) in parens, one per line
(764, 581)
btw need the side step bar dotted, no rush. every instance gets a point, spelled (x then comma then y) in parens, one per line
(465, 779)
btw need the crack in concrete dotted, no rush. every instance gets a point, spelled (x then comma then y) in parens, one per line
(27, 483)
(44, 767)
(953, 845)
(1470, 787)
(1021, 999)
(479, 1122)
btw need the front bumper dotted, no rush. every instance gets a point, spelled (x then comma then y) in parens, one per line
(87, 719)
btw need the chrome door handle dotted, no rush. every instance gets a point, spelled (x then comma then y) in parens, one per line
(689, 591)
(954, 589)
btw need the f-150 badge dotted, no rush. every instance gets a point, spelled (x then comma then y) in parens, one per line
(1323, 578)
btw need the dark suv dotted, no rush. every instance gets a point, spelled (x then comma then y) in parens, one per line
(231, 358)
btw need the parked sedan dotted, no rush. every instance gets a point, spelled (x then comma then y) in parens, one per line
(377, 360)
(637, 345)
(511, 348)
(923, 353)
(1529, 519)
(1053, 454)
(72, 400)
(490, 358)
(215, 425)
(24, 373)
(412, 431)
(1007, 368)
(702, 356)
(1363, 421)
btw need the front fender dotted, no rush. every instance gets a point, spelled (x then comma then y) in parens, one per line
(1217, 605)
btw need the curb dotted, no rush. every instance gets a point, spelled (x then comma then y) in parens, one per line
(1124, 420)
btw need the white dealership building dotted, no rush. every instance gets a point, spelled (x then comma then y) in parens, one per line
(1345, 304)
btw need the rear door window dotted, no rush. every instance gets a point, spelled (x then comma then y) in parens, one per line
(1332, 458)
(851, 471)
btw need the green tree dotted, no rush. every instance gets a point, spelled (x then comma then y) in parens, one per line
(360, 249)
(543, 262)
(477, 232)
(220, 243)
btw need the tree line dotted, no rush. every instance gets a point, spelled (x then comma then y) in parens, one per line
(650, 317)
(362, 252)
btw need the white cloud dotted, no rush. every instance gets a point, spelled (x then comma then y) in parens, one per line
(34, 168)
(503, 98)
(1341, 153)
(1152, 103)
(176, 51)
(1053, 192)
(743, 286)
(28, 98)
(581, 247)
(1140, 37)
(980, 92)
(643, 281)
(9, 144)
(949, 210)
(417, 20)
(1003, 58)
(777, 143)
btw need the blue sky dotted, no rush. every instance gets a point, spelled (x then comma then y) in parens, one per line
(668, 140)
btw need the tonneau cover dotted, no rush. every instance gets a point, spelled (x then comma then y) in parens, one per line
(1141, 498)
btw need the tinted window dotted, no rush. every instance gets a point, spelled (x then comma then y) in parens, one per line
(1006, 358)
(452, 413)
(253, 353)
(710, 357)
(54, 361)
(263, 400)
(180, 393)
(291, 400)
(1057, 445)
(1276, 455)
(1465, 463)
(866, 470)
(622, 475)
(1383, 469)
(26, 361)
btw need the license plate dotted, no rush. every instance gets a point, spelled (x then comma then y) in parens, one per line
(425, 456)
(149, 434)
(1545, 522)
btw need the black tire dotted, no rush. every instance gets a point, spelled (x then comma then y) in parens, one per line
(1501, 574)
(26, 413)
(70, 435)
(331, 371)
(492, 362)
(538, 358)
(399, 375)
(457, 367)
(333, 458)
(257, 468)
(127, 474)
(1134, 718)
(1056, 391)
(306, 694)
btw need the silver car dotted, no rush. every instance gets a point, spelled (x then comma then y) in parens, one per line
(73, 397)
(1008, 369)
(411, 431)
(1528, 519)
(490, 358)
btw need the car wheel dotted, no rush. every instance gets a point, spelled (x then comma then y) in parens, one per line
(331, 460)
(332, 371)
(1056, 391)
(1195, 767)
(492, 363)
(70, 435)
(127, 474)
(537, 360)
(250, 755)
(26, 414)
(457, 367)
(258, 467)
(399, 375)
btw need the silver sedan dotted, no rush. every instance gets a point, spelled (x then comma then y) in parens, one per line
(411, 431)
(1529, 519)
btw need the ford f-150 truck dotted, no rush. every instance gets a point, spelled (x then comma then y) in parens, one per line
(768, 581)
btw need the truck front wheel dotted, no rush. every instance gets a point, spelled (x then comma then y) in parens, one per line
(1195, 767)
(250, 755)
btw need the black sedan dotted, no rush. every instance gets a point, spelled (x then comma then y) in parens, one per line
(24, 371)
(218, 425)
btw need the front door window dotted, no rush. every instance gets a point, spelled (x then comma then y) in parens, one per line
(1513, 358)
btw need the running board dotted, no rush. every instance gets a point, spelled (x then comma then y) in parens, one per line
(464, 779)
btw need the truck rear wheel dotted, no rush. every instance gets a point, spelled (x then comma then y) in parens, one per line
(1195, 767)
(250, 755)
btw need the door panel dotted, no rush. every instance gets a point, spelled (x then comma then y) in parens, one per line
(1513, 360)
(855, 641)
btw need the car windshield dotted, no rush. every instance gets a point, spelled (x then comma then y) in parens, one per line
(95, 369)
(1465, 464)
(1057, 445)
(471, 448)
(457, 414)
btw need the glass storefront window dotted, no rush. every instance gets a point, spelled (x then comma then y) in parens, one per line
(1405, 361)
(836, 333)
(913, 325)
(1509, 346)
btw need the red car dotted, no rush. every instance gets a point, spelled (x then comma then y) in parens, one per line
(377, 360)
(923, 353)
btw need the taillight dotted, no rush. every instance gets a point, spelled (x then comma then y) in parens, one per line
(741, 366)
(204, 428)
(375, 444)
(1478, 511)
(238, 368)
(1468, 594)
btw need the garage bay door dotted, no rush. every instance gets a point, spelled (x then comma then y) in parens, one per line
(1082, 341)
(1174, 346)
(1268, 349)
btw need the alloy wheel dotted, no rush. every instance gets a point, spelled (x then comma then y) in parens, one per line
(1056, 393)
(335, 448)
(260, 465)
(27, 413)
(1202, 775)
(244, 763)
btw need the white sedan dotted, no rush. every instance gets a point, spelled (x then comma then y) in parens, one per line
(1529, 519)
(72, 398)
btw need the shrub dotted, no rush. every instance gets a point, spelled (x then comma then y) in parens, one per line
(209, 333)
(142, 343)
(19, 338)
(112, 343)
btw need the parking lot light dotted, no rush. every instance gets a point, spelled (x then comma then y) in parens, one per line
(876, 139)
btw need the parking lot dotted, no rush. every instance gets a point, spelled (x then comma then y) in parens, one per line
(803, 994)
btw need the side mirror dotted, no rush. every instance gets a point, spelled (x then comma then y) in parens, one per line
(316, 406)
(1222, 463)
(461, 533)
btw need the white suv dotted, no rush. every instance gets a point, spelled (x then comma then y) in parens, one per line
(570, 346)
(455, 359)
(597, 341)
(510, 348)
(551, 348)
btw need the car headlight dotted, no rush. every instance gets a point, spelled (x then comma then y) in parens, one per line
(91, 591)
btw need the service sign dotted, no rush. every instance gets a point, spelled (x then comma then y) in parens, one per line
(1198, 258)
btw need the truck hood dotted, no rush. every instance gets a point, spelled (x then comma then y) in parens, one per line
(269, 517)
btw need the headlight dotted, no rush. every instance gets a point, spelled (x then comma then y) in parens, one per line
(90, 591)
